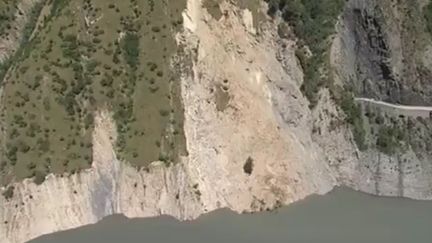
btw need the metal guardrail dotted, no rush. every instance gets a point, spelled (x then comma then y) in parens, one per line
(406, 110)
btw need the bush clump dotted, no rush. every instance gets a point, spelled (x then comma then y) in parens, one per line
(131, 49)
(354, 118)
(39, 177)
(389, 139)
(427, 12)
(248, 166)
(9, 192)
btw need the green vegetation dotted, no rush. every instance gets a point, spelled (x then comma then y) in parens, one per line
(392, 134)
(4, 67)
(248, 166)
(111, 54)
(427, 11)
(390, 139)
(354, 118)
(313, 22)
(419, 135)
(57, 6)
(27, 31)
(9, 192)
(131, 49)
(8, 9)
(39, 177)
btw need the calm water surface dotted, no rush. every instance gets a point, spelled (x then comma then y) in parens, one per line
(343, 216)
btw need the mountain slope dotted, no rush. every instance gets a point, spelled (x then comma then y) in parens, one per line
(267, 111)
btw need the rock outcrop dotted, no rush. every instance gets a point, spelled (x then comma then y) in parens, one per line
(385, 50)
(266, 122)
(376, 51)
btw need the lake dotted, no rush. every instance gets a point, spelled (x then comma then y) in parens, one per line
(343, 216)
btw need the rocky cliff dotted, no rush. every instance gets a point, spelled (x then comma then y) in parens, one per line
(386, 49)
(381, 52)
(258, 148)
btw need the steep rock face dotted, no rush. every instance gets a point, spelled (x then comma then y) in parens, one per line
(110, 187)
(379, 50)
(251, 153)
(384, 46)
(406, 174)
(266, 118)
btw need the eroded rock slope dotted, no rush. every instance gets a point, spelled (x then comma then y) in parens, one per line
(264, 121)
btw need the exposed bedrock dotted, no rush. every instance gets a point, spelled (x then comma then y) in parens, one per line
(386, 50)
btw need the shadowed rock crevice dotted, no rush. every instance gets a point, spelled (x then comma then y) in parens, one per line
(372, 53)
